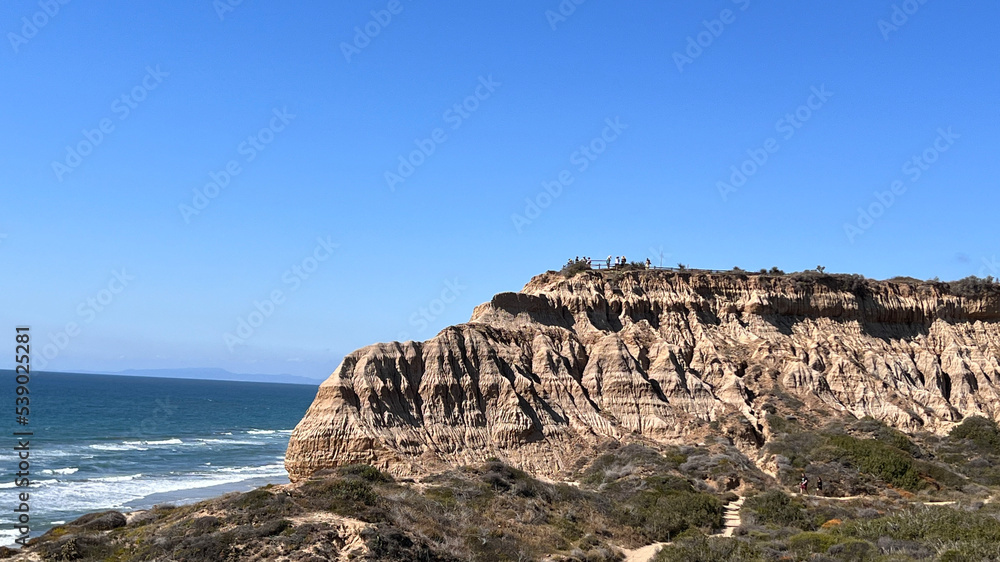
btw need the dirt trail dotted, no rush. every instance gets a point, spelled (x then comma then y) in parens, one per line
(732, 518)
(731, 521)
(842, 498)
(644, 554)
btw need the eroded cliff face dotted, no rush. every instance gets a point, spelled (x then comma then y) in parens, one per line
(539, 378)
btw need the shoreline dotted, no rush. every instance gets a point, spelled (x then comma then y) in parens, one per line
(175, 498)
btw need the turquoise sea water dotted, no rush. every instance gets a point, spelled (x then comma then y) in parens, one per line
(110, 442)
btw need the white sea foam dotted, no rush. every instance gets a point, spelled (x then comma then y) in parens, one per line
(117, 478)
(7, 536)
(119, 492)
(227, 442)
(262, 431)
(173, 441)
(117, 447)
(60, 471)
(266, 470)
(139, 445)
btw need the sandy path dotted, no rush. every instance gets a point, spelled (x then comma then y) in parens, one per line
(731, 521)
(644, 554)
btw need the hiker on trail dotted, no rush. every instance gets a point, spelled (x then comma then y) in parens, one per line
(804, 484)
(624, 261)
(648, 263)
(609, 261)
(819, 485)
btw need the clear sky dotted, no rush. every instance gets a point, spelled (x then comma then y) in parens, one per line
(269, 147)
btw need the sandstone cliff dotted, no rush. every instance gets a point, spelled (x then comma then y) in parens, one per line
(538, 378)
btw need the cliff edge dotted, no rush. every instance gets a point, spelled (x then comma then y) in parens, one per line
(541, 377)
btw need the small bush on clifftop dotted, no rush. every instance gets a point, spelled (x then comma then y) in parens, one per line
(571, 269)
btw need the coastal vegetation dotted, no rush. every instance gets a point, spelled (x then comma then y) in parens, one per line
(888, 496)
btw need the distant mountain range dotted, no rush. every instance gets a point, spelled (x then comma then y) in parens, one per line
(217, 375)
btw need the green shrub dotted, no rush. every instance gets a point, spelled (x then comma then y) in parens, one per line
(809, 542)
(571, 269)
(886, 434)
(353, 491)
(666, 506)
(215, 546)
(709, 549)
(349, 497)
(926, 524)
(981, 431)
(254, 499)
(391, 544)
(972, 286)
(626, 460)
(971, 551)
(775, 507)
(879, 459)
(365, 472)
(853, 551)
(259, 505)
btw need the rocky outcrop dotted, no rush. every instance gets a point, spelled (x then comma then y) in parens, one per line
(538, 378)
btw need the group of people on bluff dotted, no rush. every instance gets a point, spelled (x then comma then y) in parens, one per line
(620, 261)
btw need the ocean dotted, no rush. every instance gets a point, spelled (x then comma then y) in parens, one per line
(113, 442)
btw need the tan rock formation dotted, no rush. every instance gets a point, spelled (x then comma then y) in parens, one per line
(539, 377)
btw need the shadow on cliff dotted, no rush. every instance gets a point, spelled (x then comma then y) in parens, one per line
(538, 309)
(874, 318)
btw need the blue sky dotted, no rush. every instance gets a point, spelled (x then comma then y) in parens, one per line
(139, 235)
